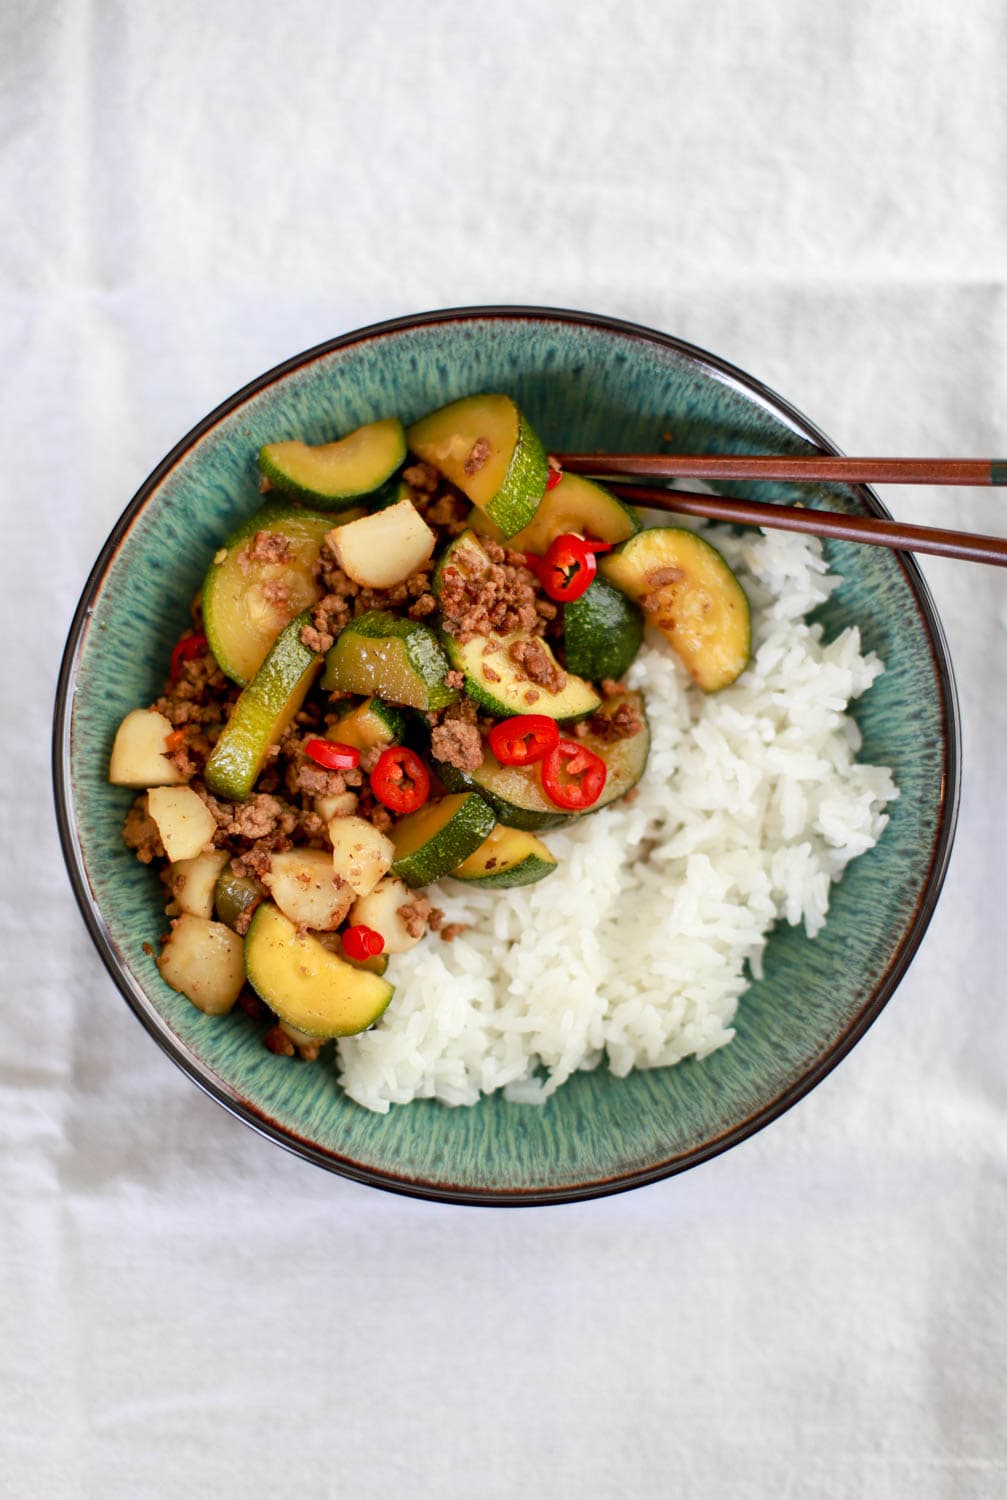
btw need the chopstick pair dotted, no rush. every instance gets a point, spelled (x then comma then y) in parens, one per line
(876, 530)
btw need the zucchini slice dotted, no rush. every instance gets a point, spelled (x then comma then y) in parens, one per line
(333, 475)
(509, 857)
(262, 713)
(602, 631)
(485, 446)
(432, 842)
(686, 589)
(574, 505)
(246, 603)
(308, 986)
(233, 895)
(515, 792)
(492, 678)
(498, 684)
(389, 657)
(372, 723)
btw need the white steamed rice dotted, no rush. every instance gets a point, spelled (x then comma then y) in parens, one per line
(640, 944)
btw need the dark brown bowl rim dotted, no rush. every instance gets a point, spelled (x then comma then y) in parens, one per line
(460, 1193)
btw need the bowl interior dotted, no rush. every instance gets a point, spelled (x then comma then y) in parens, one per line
(585, 384)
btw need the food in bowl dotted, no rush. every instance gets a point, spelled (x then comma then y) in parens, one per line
(401, 673)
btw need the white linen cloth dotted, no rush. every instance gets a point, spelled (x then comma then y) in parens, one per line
(194, 191)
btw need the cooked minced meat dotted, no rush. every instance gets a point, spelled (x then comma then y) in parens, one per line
(457, 743)
(139, 832)
(656, 580)
(415, 915)
(265, 547)
(531, 658)
(621, 724)
(501, 601)
(478, 455)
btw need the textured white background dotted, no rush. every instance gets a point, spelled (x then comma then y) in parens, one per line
(195, 190)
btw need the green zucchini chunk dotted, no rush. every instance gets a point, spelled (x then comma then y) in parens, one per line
(385, 656)
(233, 895)
(262, 713)
(334, 475)
(685, 588)
(247, 600)
(372, 723)
(486, 447)
(602, 631)
(509, 857)
(433, 841)
(306, 984)
(575, 505)
(502, 688)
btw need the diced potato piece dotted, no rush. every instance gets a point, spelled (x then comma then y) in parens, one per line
(193, 882)
(384, 548)
(204, 961)
(380, 910)
(307, 890)
(342, 805)
(185, 823)
(138, 757)
(361, 853)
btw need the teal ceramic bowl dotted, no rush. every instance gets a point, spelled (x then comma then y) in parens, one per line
(587, 383)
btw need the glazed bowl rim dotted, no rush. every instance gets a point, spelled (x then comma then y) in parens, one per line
(246, 1111)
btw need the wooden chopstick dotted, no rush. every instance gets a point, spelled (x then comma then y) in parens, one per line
(968, 471)
(878, 530)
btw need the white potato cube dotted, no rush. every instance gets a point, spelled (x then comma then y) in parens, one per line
(138, 755)
(384, 548)
(341, 805)
(185, 823)
(193, 882)
(305, 887)
(361, 853)
(380, 910)
(204, 961)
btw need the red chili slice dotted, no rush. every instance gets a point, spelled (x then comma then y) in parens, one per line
(332, 755)
(555, 475)
(400, 780)
(193, 644)
(524, 739)
(569, 567)
(573, 776)
(362, 942)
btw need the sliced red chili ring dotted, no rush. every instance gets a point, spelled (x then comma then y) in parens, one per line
(400, 780)
(568, 568)
(362, 942)
(332, 755)
(193, 644)
(174, 741)
(555, 475)
(524, 739)
(573, 776)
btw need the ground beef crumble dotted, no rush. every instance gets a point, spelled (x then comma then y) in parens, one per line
(500, 601)
(532, 658)
(415, 915)
(478, 455)
(265, 547)
(139, 832)
(656, 580)
(622, 723)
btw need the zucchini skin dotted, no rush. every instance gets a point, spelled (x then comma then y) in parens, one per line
(602, 632)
